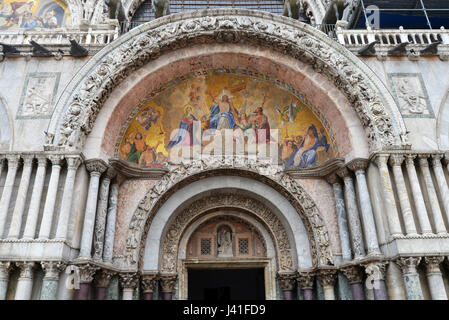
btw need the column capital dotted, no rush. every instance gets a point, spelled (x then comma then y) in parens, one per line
(305, 279)
(343, 172)
(396, 160)
(56, 160)
(110, 173)
(73, 162)
(52, 269)
(5, 268)
(327, 277)
(433, 264)
(286, 280)
(408, 264)
(381, 159)
(13, 160)
(376, 270)
(410, 159)
(167, 282)
(446, 158)
(436, 160)
(422, 158)
(87, 272)
(358, 164)
(41, 160)
(129, 280)
(26, 269)
(149, 283)
(27, 160)
(96, 166)
(332, 178)
(354, 274)
(103, 277)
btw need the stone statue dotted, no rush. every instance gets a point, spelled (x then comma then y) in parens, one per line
(345, 7)
(292, 8)
(161, 7)
(224, 241)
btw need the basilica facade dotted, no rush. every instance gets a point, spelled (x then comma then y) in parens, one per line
(171, 150)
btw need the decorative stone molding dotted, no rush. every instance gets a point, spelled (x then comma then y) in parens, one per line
(408, 264)
(5, 268)
(306, 279)
(433, 264)
(130, 171)
(26, 269)
(52, 269)
(129, 280)
(149, 283)
(327, 277)
(174, 232)
(168, 282)
(94, 83)
(181, 175)
(319, 171)
(286, 281)
(103, 277)
(353, 273)
(96, 166)
(87, 272)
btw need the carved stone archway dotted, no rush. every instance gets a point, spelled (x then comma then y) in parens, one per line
(81, 101)
(169, 249)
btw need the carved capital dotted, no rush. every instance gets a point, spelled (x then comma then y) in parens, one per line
(305, 279)
(26, 269)
(344, 173)
(87, 272)
(354, 274)
(396, 160)
(167, 282)
(408, 264)
(332, 178)
(103, 277)
(358, 165)
(376, 270)
(446, 159)
(41, 161)
(28, 160)
(433, 264)
(422, 159)
(327, 277)
(410, 159)
(149, 283)
(13, 161)
(110, 173)
(56, 160)
(381, 160)
(97, 166)
(52, 269)
(129, 280)
(436, 160)
(286, 281)
(73, 162)
(5, 268)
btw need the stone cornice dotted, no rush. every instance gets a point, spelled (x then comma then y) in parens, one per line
(320, 171)
(130, 171)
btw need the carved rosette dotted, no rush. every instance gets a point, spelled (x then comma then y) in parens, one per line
(26, 269)
(103, 277)
(149, 283)
(306, 279)
(286, 281)
(354, 274)
(5, 268)
(408, 264)
(87, 272)
(129, 280)
(52, 269)
(433, 264)
(168, 282)
(327, 277)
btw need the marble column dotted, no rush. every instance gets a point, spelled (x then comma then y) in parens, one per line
(327, 278)
(437, 216)
(73, 163)
(441, 181)
(305, 281)
(287, 284)
(394, 223)
(50, 201)
(353, 214)
(51, 279)
(110, 222)
(396, 161)
(2, 162)
(25, 281)
(375, 272)
(354, 275)
(341, 216)
(420, 206)
(5, 268)
(435, 278)
(102, 210)
(96, 168)
(13, 164)
(411, 277)
(149, 283)
(102, 280)
(128, 282)
(168, 282)
(16, 221)
(86, 274)
(35, 203)
(369, 227)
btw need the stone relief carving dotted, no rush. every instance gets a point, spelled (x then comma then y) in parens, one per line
(411, 95)
(38, 95)
(288, 38)
(224, 241)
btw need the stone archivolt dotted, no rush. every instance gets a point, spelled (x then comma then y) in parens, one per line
(372, 101)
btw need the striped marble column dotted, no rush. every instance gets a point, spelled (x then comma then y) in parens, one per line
(13, 164)
(16, 221)
(50, 283)
(437, 216)
(35, 203)
(435, 277)
(128, 282)
(441, 181)
(353, 214)
(25, 282)
(5, 268)
(149, 284)
(305, 280)
(327, 279)
(396, 161)
(354, 275)
(411, 277)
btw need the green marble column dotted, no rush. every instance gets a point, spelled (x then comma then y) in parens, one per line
(411, 277)
(51, 278)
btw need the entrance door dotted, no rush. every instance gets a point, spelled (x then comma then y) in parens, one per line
(226, 284)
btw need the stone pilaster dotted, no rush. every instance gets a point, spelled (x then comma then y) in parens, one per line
(168, 282)
(353, 214)
(341, 216)
(128, 282)
(435, 278)
(434, 202)
(354, 275)
(73, 162)
(13, 164)
(394, 223)
(50, 201)
(396, 161)
(375, 272)
(411, 277)
(86, 274)
(16, 221)
(25, 281)
(327, 278)
(305, 280)
(5, 268)
(287, 284)
(102, 210)
(102, 280)
(35, 202)
(149, 283)
(96, 168)
(369, 227)
(51, 279)
(420, 206)
(441, 181)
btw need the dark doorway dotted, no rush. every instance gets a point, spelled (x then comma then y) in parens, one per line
(229, 284)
